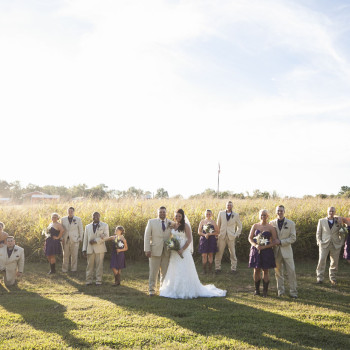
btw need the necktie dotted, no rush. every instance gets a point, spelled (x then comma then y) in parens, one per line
(163, 226)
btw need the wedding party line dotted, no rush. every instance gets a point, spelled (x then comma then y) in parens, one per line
(168, 244)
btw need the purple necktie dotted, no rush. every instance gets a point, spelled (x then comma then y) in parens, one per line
(163, 226)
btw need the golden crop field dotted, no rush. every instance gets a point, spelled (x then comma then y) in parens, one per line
(26, 222)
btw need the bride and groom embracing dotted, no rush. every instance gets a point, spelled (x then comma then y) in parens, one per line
(178, 274)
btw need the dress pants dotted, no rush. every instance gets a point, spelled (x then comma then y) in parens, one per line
(334, 259)
(157, 263)
(288, 264)
(222, 242)
(70, 250)
(92, 260)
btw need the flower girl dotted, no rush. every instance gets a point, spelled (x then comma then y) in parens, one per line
(117, 257)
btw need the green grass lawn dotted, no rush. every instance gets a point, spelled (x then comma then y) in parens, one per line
(61, 312)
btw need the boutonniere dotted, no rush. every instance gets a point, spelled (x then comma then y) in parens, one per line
(285, 225)
(75, 221)
(15, 250)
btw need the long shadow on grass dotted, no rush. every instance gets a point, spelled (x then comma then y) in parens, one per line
(222, 317)
(41, 313)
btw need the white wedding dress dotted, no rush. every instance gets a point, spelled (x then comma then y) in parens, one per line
(181, 280)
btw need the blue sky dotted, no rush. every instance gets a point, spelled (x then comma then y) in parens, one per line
(155, 94)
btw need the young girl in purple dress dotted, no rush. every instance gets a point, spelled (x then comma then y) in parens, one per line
(117, 257)
(208, 231)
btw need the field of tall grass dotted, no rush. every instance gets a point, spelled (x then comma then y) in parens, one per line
(26, 222)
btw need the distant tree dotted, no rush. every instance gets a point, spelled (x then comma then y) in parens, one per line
(99, 192)
(5, 189)
(161, 193)
(344, 191)
(322, 195)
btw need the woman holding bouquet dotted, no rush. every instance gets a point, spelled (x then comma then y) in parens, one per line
(347, 242)
(262, 238)
(208, 230)
(53, 241)
(117, 256)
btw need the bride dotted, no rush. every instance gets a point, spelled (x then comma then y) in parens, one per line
(181, 280)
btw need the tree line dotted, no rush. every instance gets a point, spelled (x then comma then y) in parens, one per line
(15, 191)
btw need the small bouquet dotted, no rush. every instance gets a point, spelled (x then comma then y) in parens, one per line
(343, 229)
(173, 244)
(260, 239)
(46, 232)
(119, 243)
(208, 228)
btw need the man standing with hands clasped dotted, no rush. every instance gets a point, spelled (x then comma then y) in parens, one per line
(230, 227)
(73, 234)
(94, 248)
(286, 235)
(156, 233)
(329, 240)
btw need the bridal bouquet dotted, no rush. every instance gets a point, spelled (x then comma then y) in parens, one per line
(208, 228)
(119, 244)
(343, 229)
(173, 244)
(260, 239)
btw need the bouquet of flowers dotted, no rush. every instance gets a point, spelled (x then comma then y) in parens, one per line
(119, 243)
(343, 229)
(173, 244)
(260, 239)
(46, 232)
(208, 228)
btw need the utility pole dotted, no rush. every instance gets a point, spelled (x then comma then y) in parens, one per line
(218, 181)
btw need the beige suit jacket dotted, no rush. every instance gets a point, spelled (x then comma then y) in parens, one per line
(102, 232)
(287, 235)
(325, 235)
(231, 228)
(74, 231)
(155, 237)
(13, 263)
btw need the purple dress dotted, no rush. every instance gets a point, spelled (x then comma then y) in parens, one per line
(117, 260)
(347, 246)
(207, 245)
(266, 258)
(53, 246)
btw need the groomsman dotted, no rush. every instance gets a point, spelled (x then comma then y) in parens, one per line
(156, 233)
(329, 240)
(11, 261)
(94, 248)
(230, 227)
(286, 235)
(73, 234)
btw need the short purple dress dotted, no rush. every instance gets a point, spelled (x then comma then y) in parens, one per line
(266, 258)
(347, 246)
(117, 260)
(53, 246)
(207, 245)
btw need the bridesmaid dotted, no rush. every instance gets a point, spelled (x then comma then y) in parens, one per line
(120, 246)
(53, 242)
(207, 242)
(3, 234)
(347, 242)
(261, 255)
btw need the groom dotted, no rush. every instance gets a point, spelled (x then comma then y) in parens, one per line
(156, 233)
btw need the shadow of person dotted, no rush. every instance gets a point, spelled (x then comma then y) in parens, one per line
(222, 317)
(41, 313)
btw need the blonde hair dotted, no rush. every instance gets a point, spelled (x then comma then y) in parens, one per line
(2, 224)
(263, 211)
(55, 214)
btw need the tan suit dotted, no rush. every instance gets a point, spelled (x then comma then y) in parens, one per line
(13, 264)
(73, 234)
(154, 242)
(95, 252)
(328, 241)
(229, 230)
(284, 256)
